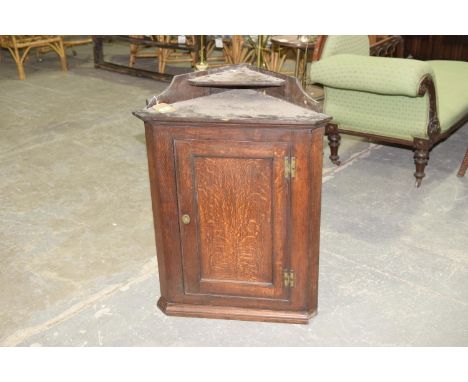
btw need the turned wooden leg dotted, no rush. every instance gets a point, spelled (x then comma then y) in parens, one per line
(421, 157)
(334, 140)
(464, 165)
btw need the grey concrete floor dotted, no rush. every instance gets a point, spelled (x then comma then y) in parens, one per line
(77, 253)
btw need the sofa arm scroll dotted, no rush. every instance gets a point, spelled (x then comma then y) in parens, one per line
(381, 75)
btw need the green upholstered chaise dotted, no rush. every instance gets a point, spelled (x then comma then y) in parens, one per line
(403, 101)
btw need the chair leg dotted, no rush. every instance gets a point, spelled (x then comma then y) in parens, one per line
(421, 158)
(463, 166)
(59, 49)
(334, 140)
(19, 62)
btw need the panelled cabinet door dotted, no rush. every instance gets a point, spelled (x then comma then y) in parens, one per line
(233, 200)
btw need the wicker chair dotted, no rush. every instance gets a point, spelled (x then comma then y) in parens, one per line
(19, 47)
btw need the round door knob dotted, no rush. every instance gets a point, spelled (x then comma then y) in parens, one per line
(185, 219)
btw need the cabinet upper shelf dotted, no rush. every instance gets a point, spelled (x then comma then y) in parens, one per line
(235, 94)
(237, 77)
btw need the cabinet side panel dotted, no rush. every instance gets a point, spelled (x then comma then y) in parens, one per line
(164, 201)
(151, 153)
(316, 159)
(305, 217)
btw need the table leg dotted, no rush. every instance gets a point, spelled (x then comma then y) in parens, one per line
(304, 69)
(298, 59)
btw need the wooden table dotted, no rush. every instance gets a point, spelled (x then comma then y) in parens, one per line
(302, 48)
(235, 167)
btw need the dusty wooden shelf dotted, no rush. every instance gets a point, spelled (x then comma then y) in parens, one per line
(235, 94)
(243, 104)
(237, 77)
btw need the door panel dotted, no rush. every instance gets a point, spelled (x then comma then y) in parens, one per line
(237, 197)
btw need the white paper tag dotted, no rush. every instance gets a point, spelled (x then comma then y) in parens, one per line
(181, 40)
(162, 108)
(218, 42)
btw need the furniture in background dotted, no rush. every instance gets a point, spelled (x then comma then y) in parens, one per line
(20, 46)
(215, 52)
(235, 166)
(140, 42)
(386, 46)
(464, 165)
(376, 38)
(215, 48)
(303, 47)
(168, 53)
(70, 42)
(379, 46)
(437, 47)
(407, 102)
(237, 51)
(141, 51)
(174, 55)
(218, 51)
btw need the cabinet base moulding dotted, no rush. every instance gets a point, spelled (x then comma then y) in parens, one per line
(235, 313)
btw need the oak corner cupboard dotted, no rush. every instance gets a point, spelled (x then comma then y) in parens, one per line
(235, 166)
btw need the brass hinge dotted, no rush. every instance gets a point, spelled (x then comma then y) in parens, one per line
(289, 167)
(288, 277)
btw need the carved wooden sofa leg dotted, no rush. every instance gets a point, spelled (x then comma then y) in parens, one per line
(421, 157)
(334, 140)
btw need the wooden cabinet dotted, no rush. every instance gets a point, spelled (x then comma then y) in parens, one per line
(235, 179)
